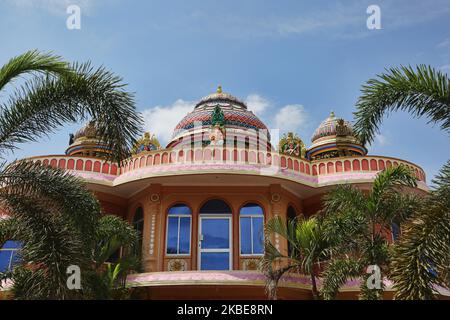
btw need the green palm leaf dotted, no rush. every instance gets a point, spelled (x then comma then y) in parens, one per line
(423, 92)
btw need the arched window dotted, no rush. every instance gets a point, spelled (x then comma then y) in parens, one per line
(291, 216)
(138, 224)
(178, 240)
(215, 206)
(251, 229)
(9, 255)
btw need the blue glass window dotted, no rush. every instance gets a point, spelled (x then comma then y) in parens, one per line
(9, 255)
(395, 227)
(252, 229)
(215, 261)
(179, 230)
(216, 233)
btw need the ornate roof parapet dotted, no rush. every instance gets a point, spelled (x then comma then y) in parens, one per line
(217, 130)
(86, 142)
(148, 142)
(217, 117)
(333, 138)
(292, 145)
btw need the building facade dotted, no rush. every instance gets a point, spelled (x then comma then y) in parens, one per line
(201, 202)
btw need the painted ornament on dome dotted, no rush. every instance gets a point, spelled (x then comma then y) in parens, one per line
(292, 145)
(217, 130)
(146, 143)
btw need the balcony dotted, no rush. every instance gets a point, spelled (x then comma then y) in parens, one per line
(169, 162)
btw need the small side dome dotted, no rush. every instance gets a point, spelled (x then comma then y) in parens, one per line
(86, 143)
(334, 138)
(147, 143)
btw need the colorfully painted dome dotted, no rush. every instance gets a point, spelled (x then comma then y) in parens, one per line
(235, 113)
(85, 142)
(329, 127)
(88, 131)
(233, 118)
(333, 138)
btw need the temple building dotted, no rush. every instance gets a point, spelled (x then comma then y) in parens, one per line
(201, 201)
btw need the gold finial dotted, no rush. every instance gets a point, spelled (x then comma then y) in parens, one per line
(219, 89)
(332, 114)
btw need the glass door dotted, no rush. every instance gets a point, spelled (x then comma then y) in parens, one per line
(214, 242)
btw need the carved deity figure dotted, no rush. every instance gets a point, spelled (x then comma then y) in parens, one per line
(217, 130)
(292, 145)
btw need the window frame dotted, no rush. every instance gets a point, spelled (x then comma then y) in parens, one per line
(178, 216)
(12, 251)
(251, 216)
(205, 250)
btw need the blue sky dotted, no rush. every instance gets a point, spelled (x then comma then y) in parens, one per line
(292, 61)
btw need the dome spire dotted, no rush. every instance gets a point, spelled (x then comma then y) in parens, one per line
(332, 115)
(219, 89)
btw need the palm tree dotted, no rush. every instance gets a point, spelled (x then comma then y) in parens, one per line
(51, 212)
(357, 221)
(421, 261)
(116, 241)
(307, 249)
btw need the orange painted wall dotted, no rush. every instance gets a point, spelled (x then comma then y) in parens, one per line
(195, 197)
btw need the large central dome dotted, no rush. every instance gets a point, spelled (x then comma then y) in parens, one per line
(238, 121)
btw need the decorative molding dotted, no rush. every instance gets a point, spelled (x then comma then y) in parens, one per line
(152, 234)
(155, 197)
(275, 197)
(251, 264)
(177, 265)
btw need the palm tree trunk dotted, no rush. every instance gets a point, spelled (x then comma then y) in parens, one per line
(315, 293)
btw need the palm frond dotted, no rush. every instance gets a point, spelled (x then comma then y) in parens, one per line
(285, 229)
(423, 92)
(112, 234)
(8, 229)
(421, 260)
(344, 198)
(336, 275)
(50, 244)
(345, 218)
(57, 217)
(442, 180)
(391, 178)
(57, 190)
(32, 61)
(45, 103)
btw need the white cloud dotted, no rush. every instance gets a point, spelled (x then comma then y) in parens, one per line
(381, 140)
(162, 120)
(330, 17)
(340, 19)
(444, 43)
(445, 68)
(257, 103)
(291, 117)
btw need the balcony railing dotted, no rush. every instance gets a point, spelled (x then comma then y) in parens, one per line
(216, 156)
